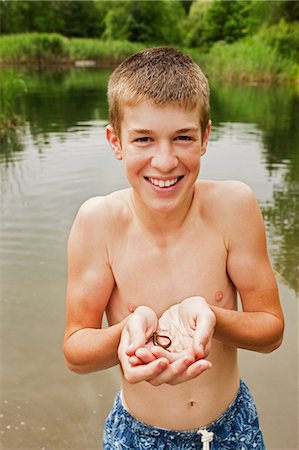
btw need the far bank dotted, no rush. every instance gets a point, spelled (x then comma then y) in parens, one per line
(249, 60)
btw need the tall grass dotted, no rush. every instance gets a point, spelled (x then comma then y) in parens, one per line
(10, 89)
(33, 48)
(54, 49)
(249, 60)
(101, 51)
(252, 59)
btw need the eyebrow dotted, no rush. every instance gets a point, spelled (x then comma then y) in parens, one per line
(182, 130)
(140, 131)
(188, 130)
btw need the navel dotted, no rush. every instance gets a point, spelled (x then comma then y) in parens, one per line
(192, 403)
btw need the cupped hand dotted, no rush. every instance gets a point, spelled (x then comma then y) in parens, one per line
(139, 327)
(189, 325)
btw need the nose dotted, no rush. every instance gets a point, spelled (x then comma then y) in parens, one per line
(164, 158)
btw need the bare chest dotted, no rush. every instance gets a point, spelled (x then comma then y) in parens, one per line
(160, 276)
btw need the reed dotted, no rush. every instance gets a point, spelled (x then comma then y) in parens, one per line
(33, 48)
(249, 60)
(10, 89)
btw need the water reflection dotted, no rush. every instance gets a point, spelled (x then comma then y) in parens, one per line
(275, 112)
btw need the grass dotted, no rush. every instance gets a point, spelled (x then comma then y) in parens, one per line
(10, 89)
(248, 60)
(53, 49)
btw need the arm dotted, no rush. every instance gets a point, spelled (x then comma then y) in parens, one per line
(259, 326)
(88, 347)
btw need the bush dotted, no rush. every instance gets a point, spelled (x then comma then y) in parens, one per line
(33, 47)
(249, 60)
(155, 22)
(284, 37)
(104, 51)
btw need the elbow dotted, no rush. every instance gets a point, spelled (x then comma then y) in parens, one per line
(271, 347)
(78, 369)
(72, 362)
(276, 339)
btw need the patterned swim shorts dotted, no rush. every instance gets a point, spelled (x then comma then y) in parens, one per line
(237, 429)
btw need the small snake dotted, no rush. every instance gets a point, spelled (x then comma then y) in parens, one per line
(157, 340)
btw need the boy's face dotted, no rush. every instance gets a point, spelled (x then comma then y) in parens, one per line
(161, 147)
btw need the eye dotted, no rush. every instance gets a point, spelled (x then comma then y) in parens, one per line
(144, 139)
(184, 138)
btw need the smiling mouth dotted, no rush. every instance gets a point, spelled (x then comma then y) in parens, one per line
(164, 183)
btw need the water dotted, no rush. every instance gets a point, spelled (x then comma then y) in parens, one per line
(63, 159)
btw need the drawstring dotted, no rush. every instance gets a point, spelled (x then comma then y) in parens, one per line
(206, 438)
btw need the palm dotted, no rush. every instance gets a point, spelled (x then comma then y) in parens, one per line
(171, 324)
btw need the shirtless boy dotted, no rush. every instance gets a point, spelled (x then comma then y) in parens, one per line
(164, 260)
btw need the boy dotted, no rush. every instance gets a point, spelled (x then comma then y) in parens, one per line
(165, 260)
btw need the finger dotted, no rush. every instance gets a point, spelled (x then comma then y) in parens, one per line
(200, 341)
(134, 361)
(193, 371)
(146, 355)
(160, 352)
(135, 336)
(173, 371)
(144, 372)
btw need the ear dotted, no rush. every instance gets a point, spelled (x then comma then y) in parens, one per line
(205, 138)
(114, 141)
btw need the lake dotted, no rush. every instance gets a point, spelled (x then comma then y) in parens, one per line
(60, 160)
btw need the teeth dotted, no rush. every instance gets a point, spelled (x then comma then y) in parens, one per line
(162, 183)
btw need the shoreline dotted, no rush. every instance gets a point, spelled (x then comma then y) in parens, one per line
(248, 61)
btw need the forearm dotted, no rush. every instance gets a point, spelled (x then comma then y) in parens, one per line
(90, 349)
(257, 331)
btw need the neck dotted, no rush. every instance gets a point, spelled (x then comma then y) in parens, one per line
(162, 224)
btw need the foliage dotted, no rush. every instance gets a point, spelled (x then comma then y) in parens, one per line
(70, 18)
(106, 52)
(227, 20)
(11, 88)
(52, 49)
(260, 37)
(249, 60)
(145, 21)
(35, 47)
(197, 23)
(284, 37)
(142, 20)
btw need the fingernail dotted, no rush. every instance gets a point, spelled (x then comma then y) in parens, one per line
(188, 361)
(163, 364)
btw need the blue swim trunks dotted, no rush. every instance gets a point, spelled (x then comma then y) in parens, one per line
(237, 429)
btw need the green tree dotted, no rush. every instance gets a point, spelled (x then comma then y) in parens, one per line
(80, 18)
(228, 21)
(70, 18)
(197, 24)
(156, 22)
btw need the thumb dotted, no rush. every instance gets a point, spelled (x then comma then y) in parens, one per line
(200, 340)
(136, 337)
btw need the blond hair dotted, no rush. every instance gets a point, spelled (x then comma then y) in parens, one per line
(160, 75)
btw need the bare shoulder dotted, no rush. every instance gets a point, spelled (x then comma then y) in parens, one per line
(232, 207)
(98, 219)
(103, 210)
(227, 197)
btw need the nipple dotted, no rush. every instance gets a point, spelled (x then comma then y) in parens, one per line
(218, 296)
(131, 307)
